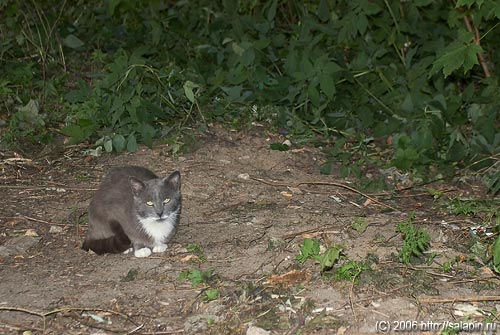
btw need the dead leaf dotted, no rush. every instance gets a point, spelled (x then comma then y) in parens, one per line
(188, 258)
(290, 278)
(286, 194)
(31, 232)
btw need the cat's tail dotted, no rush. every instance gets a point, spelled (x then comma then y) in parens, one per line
(117, 243)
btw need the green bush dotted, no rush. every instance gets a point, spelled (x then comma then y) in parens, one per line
(418, 76)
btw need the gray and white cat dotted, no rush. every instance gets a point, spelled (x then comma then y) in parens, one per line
(134, 209)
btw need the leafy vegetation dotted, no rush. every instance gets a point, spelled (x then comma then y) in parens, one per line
(415, 240)
(311, 249)
(198, 278)
(487, 244)
(416, 78)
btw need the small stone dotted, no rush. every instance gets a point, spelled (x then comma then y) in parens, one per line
(244, 176)
(55, 230)
(295, 190)
(31, 232)
(253, 330)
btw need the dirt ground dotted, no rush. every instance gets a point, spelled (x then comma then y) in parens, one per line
(243, 206)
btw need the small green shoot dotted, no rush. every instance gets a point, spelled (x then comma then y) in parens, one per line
(415, 240)
(360, 224)
(197, 250)
(310, 249)
(328, 259)
(450, 330)
(211, 294)
(351, 270)
(194, 248)
(196, 277)
(496, 255)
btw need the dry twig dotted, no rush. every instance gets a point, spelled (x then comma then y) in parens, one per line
(460, 299)
(326, 184)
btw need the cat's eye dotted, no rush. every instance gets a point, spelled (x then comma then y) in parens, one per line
(149, 203)
(166, 201)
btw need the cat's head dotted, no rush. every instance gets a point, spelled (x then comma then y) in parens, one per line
(157, 198)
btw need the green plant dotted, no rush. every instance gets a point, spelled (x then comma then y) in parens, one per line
(197, 250)
(415, 240)
(194, 248)
(351, 270)
(374, 82)
(310, 249)
(360, 224)
(196, 277)
(211, 294)
(496, 255)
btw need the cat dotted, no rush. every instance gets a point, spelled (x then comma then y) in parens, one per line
(133, 210)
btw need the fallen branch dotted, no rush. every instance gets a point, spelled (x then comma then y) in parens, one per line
(47, 188)
(460, 299)
(44, 315)
(352, 190)
(327, 184)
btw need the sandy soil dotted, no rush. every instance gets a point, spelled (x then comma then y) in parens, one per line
(244, 206)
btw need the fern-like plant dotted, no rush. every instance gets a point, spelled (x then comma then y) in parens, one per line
(415, 239)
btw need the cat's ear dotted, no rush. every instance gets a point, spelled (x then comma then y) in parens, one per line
(136, 185)
(174, 180)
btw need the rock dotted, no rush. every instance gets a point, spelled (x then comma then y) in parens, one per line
(31, 232)
(244, 176)
(55, 230)
(199, 323)
(17, 245)
(253, 330)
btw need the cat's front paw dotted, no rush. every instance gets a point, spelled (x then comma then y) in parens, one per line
(143, 252)
(129, 250)
(160, 248)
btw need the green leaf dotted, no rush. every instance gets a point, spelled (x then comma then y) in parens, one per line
(496, 253)
(327, 85)
(147, 133)
(211, 294)
(360, 224)
(279, 147)
(309, 249)
(72, 131)
(456, 56)
(468, 3)
(119, 142)
(314, 95)
(112, 4)
(131, 143)
(271, 13)
(323, 10)
(73, 42)
(188, 90)
(108, 145)
(329, 258)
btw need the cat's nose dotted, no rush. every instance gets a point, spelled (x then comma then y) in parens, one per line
(159, 212)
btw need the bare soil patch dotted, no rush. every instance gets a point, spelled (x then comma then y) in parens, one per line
(249, 225)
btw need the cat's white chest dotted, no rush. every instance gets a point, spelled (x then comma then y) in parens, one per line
(159, 230)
